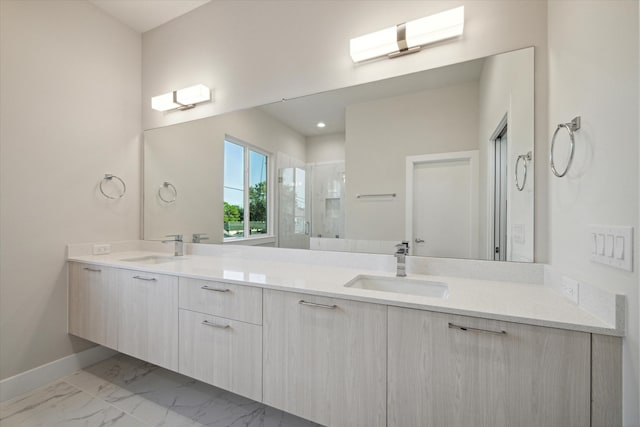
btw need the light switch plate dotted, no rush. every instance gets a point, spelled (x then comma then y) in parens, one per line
(613, 245)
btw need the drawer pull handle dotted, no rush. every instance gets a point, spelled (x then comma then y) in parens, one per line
(313, 304)
(215, 325)
(467, 328)
(97, 270)
(207, 288)
(148, 279)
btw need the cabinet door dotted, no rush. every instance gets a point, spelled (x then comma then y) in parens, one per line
(222, 352)
(447, 370)
(148, 322)
(93, 301)
(325, 358)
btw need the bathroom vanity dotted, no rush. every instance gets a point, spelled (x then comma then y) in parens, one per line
(289, 333)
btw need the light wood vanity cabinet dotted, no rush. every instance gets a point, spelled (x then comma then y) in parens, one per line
(341, 363)
(148, 317)
(442, 375)
(93, 303)
(325, 358)
(221, 335)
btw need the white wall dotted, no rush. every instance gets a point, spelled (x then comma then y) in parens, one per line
(325, 148)
(593, 72)
(70, 112)
(506, 87)
(190, 156)
(431, 121)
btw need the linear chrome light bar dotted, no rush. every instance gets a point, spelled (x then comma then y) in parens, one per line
(408, 37)
(182, 99)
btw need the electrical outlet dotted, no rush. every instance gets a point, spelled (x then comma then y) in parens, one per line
(570, 288)
(102, 249)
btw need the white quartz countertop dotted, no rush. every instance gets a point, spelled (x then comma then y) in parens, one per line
(534, 304)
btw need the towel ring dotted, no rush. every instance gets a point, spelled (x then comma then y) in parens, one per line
(108, 178)
(171, 188)
(526, 158)
(571, 128)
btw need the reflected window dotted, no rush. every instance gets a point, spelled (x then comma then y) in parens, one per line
(246, 198)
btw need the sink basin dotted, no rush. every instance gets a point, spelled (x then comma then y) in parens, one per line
(400, 285)
(153, 259)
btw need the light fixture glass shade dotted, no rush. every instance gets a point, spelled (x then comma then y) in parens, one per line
(440, 26)
(416, 33)
(163, 102)
(193, 95)
(374, 45)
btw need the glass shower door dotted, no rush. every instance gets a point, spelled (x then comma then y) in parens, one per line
(293, 218)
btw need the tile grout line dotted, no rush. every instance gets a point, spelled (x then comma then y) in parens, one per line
(108, 403)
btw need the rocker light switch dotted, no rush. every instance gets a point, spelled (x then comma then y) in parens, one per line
(600, 244)
(619, 247)
(608, 245)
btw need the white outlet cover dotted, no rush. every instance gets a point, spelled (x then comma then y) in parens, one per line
(570, 288)
(101, 249)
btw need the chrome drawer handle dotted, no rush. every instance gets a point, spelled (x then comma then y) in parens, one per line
(467, 328)
(207, 323)
(314, 304)
(148, 279)
(206, 288)
(97, 270)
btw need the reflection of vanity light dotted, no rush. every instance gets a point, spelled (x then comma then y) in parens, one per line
(321, 124)
(408, 37)
(182, 99)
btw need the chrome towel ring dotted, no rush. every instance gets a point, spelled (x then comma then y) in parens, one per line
(172, 189)
(526, 158)
(571, 127)
(108, 178)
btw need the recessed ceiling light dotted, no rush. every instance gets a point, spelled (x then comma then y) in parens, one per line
(321, 124)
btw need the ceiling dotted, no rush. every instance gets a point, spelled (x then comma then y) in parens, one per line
(302, 114)
(144, 15)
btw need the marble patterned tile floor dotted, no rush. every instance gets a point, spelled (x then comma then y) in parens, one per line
(127, 392)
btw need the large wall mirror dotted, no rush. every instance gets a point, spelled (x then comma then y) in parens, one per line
(441, 158)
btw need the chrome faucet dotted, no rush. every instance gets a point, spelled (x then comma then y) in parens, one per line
(199, 237)
(179, 244)
(401, 252)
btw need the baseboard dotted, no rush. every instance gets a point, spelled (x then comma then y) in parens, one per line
(37, 377)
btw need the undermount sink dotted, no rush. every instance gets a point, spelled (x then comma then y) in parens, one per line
(152, 259)
(400, 285)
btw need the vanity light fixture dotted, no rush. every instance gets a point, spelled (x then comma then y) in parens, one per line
(408, 37)
(182, 99)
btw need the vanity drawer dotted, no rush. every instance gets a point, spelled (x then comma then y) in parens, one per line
(222, 352)
(228, 300)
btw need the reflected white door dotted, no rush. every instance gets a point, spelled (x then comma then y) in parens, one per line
(443, 204)
(293, 221)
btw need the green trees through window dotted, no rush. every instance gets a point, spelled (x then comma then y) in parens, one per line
(242, 186)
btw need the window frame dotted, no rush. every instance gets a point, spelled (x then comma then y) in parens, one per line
(247, 148)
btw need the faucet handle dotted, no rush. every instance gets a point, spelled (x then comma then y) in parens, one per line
(177, 237)
(403, 247)
(198, 237)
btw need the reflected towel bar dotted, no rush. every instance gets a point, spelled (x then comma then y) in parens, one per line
(361, 196)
